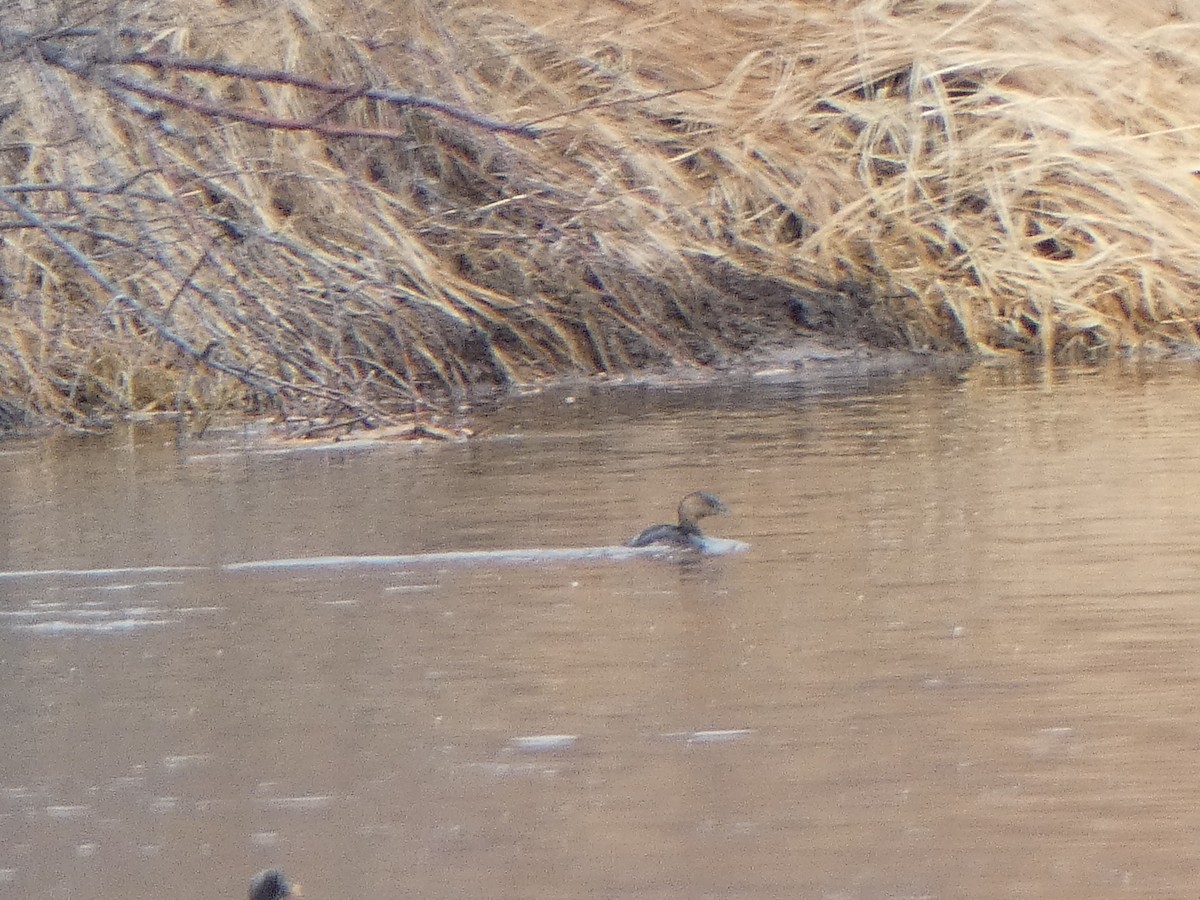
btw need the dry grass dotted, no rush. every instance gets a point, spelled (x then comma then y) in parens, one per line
(1002, 176)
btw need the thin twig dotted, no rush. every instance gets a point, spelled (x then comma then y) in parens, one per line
(348, 91)
(622, 101)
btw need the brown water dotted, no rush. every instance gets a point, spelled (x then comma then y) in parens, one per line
(961, 659)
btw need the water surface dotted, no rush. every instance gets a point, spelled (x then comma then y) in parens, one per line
(960, 659)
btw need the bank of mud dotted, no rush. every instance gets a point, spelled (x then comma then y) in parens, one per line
(315, 216)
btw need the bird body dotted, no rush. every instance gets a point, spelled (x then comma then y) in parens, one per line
(270, 884)
(687, 533)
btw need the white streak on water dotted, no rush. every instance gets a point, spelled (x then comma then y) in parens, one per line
(712, 547)
(61, 626)
(533, 556)
(710, 736)
(64, 811)
(544, 743)
(305, 803)
(98, 573)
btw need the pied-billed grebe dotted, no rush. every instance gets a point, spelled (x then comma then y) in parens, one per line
(270, 885)
(687, 533)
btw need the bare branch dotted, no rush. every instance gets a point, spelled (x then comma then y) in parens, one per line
(276, 76)
(91, 68)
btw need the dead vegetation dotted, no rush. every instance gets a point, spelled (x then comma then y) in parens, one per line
(359, 212)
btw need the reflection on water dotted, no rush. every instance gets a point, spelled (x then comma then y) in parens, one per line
(961, 659)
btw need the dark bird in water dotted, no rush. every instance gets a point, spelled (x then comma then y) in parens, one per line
(271, 885)
(687, 533)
